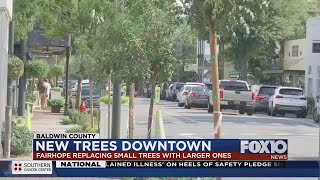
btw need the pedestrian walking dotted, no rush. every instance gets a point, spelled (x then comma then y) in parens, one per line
(48, 87)
(43, 92)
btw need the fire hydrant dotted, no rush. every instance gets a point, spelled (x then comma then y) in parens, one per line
(83, 107)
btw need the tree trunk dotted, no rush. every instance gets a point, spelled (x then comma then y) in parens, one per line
(150, 116)
(79, 88)
(244, 67)
(91, 105)
(131, 110)
(109, 106)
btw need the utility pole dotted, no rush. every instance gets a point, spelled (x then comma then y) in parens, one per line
(68, 54)
(11, 53)
(22, 80)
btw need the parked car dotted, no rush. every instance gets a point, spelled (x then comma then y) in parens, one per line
(234, 94)
(85, 95)
(181, 96)
(164, 87)
(261, 98)
(316, 112)
(197, 97)
(168, 92)
(176, 88)
(288, 100)
(208, 85)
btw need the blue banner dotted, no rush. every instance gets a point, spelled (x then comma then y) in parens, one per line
(291, 169)
(251, 146)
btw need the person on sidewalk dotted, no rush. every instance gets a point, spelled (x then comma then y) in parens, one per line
(48, 86)
(42, 88)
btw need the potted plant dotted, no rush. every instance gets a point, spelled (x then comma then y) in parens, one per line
(124, 116)
(56, 92)
(56, 104)
(15, 68)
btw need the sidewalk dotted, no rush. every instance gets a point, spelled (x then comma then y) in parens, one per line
(43, 121)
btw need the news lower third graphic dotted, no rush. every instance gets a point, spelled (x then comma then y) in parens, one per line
(85, 155)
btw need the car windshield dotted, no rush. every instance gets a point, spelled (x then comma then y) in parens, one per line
(86, 91)
(233, 85)
(200, 89)
(267, 90)
(209, 86)
(187, 88)
(295, 92)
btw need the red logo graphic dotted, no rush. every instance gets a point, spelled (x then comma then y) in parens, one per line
(17, 167)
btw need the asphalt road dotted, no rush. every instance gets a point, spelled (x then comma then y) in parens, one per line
(196, 123)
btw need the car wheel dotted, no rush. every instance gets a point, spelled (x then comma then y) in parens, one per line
(210, 108)
(250, 112)
(269, 112)
(273, 112)
(304, 115)
(180, 104)
(242, 110)
(315, 116)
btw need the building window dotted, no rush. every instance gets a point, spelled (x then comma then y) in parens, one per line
(295, 51)
(316, 48)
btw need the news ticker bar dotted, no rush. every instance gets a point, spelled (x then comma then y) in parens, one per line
(154, 156)
(170, 164)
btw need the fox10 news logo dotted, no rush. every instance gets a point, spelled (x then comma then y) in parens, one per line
(264, 147)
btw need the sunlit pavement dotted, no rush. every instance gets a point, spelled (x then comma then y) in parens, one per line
(303, 134)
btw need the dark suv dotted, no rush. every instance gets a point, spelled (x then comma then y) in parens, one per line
(261, 99)
(175, 89)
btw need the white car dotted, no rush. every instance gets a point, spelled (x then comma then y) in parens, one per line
(181, 96)
(288, 100)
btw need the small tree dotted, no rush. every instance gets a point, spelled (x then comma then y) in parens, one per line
(56, 72)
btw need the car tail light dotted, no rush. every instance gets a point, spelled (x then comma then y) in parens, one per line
(221, 94)
(192, 94)
(303, 98)
(259, 97)
(279, 96)
(184, 93)
(253, 96)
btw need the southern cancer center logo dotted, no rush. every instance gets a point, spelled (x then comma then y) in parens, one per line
(17, 167)
(31, 167)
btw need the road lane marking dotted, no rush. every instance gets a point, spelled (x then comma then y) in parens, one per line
(258, 117)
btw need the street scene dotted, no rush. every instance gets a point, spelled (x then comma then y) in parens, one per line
(157, 69)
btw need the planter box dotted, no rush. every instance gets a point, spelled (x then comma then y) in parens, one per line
(55, 109)
(55, 94)
(124, 124)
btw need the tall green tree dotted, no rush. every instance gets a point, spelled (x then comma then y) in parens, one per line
(77, 17)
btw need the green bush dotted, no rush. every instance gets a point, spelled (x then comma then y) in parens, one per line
(21, 142)
(76, 116)
(105, 100)
(15, 68)
(56, 102)
(85, 127)
(66, 120)
(37, 69)
(59, 89)
(96, 112)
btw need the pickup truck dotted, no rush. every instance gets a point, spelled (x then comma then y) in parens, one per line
(235, 95)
